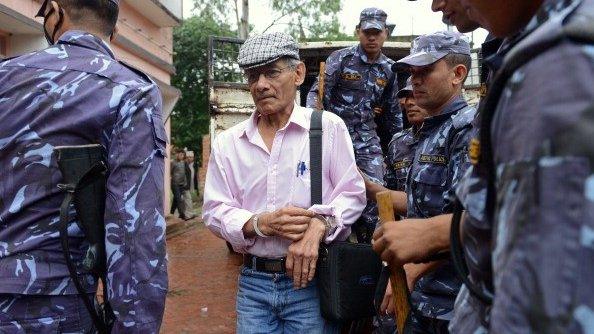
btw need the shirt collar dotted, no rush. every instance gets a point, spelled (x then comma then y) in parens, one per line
(86, 40)
(359, 52)
(453, 107)
(298, 117)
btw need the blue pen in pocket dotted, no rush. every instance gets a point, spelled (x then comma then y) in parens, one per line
(301, 168)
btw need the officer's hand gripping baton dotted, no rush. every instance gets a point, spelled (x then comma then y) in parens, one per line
(397, 274)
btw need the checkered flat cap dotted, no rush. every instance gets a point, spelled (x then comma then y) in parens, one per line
(264, 49)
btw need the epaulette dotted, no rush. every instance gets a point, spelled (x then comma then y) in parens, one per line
(463, 117)
(140, 73)
(399, 135)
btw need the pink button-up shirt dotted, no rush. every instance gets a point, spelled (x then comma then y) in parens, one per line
(244, 179)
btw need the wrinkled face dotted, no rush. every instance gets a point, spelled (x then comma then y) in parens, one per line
(190, 159)
(415, 114)
(454, 13)
(372, 40)
(274, 86)
(433, 85)
(503, 18)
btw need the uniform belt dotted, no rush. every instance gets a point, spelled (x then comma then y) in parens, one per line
(272, 266)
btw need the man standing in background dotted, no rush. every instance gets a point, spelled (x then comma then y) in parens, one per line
(360, 86)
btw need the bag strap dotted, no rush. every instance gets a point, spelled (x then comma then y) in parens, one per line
(315, 156)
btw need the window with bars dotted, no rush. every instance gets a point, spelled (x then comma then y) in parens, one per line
(223, 67)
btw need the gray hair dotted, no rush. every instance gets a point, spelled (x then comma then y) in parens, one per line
(291, 62)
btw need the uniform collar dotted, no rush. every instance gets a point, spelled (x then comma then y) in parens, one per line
(453, 107)
(298, 117)
(86, 40)
(359, 52)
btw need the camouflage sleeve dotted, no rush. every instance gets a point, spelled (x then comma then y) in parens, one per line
(134, 220)
(332, 65)
(457, 165)
(390, 178)
(393, 114)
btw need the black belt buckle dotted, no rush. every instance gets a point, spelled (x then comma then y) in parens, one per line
(274, 266)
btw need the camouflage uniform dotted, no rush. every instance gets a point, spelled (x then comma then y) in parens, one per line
(544, 210)
(401, 152)
(470, 314)
(400, 155)
(354, 87)
(76, 93)
(439, 161)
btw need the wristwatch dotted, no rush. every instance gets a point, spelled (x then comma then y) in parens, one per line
(329, 223)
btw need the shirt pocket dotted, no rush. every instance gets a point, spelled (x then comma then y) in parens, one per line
(159, 134)
(301, 189)
(46, 325)
(430, 183)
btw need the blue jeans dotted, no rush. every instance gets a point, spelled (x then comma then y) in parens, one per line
(267, 303)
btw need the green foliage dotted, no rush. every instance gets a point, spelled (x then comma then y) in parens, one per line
(307, 20)
(311, 19)
(190, 118)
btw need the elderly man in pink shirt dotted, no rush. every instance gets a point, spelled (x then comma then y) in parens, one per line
(257, 193)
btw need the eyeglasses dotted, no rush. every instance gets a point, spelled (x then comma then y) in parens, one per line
(270, 73)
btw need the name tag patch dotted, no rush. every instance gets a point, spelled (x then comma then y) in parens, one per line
(351, 76)
(433, 159)
(401, 164)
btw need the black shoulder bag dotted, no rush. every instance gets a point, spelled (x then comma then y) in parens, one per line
(347, 273)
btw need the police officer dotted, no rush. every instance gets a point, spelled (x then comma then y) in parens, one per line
(360, 86)
(439, 65)
(402, 146)
(538, 139)
(75, 93)
(471, 314)
(401, 153)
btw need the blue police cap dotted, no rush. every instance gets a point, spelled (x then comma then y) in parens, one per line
(428, 49)
(372, 18)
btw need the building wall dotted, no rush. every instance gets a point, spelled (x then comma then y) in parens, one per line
(145, 41)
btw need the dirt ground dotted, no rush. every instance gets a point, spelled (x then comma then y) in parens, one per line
(202, 281)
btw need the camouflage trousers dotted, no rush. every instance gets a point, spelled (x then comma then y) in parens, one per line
(36, 314)
(373, 166)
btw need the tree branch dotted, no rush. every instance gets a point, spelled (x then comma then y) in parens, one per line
(290, 11)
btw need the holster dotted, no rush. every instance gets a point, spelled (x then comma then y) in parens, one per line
(84, 175)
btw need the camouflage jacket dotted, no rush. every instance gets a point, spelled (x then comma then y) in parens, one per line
(440, 160)
(77, 93)
(401, 152)
(354, 87)
(544, 210)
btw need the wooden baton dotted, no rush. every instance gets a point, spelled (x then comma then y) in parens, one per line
(397, 274)
(321, 79)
